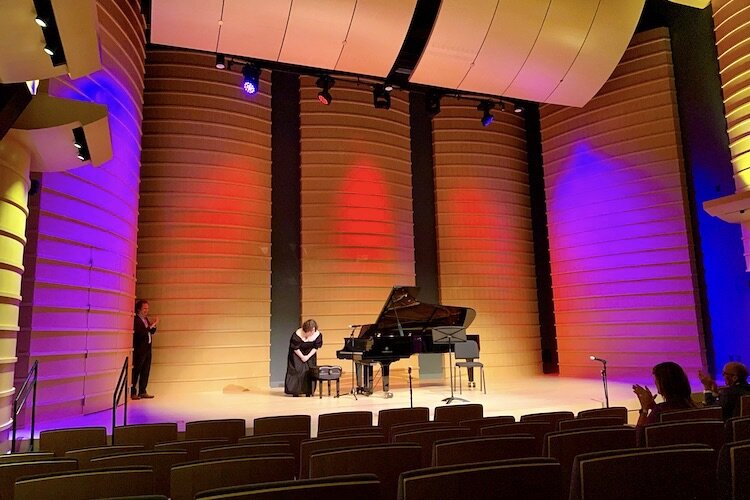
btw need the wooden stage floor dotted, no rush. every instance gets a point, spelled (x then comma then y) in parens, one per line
(504, 397)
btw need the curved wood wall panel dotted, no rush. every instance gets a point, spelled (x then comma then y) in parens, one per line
(732, 28)
(79, 325)
(623, 272)
(205, 224)
(485, 244)
(357, 228)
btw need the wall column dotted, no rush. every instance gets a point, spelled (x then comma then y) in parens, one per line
(14, 187)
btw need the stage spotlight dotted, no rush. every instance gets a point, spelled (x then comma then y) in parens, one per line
(250, 78)
(486, 108)
(325, 83)
(49, 50)
(432, 103)
(220, 62)
(381, 98)
(42, 22)
(517, 108)
(79, 141)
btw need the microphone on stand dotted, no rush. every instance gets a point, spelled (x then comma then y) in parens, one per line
(411, 395)
(604, 377)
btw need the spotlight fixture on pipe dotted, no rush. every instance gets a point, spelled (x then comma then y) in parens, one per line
(220, 61)
(517, 108)
(381, 98)
(486, 108)
(42, 22)
(45, 19)
(250, 78)
(325, 83)
(432, 103)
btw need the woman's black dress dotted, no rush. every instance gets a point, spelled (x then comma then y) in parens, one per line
(297, 377)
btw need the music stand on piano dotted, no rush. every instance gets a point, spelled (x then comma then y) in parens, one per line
(450, 335)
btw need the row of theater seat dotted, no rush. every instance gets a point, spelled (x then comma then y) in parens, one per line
(404, 441)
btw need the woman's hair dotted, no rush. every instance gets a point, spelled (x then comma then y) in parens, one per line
(672, 382)
(139, 305)
(309, 326)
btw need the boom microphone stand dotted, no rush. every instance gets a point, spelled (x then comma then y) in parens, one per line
(604, 377)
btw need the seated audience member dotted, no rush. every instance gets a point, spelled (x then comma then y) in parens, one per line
(673, 385)
(728, 397)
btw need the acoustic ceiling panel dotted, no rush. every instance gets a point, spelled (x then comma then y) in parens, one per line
(191, 24)
(353, 36)
(557, 51)
(254, 28)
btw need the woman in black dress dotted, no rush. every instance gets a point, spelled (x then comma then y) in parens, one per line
(303, 348)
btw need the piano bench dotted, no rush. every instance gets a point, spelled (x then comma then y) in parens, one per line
(327, 373)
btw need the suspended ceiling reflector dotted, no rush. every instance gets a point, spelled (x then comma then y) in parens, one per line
(556, 51)
(353, 36)
(22, 41)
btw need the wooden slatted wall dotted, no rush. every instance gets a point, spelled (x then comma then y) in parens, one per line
(205, 217)
(622, 265)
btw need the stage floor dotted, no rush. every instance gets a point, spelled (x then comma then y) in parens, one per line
(504, 397)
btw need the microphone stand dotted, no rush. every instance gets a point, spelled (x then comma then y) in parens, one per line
(604, 383)
(353, 391)
(411, 394)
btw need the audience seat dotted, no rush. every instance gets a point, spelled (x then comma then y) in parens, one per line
(737, 429)
(419, 426)
(284, 424)
(244, 450)
(10, 472)
(705, 413)
(192, 447)
(426, 439)
(483, 449)
(475, 424)
(27, 457)
(353, 431)
(564, 446)
(309, 446)
(344, 420)
(145, 434)
(58, 441)
(359, 486)
(676, 472)
(393, 416)
(710, 433)
(85, 455)
(455, 414)
(732, 471)
(528, 478)
(588, 423)
(745, 406)
(190, 478)
(230, 429)
(387, 462)
(613, 411)
(293, 439)
(161, 462)
(535, 429)
(552, 417)
(85, 485)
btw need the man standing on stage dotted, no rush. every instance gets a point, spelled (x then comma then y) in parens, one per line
(143, 329)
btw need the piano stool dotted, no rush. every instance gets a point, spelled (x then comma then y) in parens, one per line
(327, 373)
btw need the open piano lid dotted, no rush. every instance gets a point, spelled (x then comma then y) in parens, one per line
(403, 312)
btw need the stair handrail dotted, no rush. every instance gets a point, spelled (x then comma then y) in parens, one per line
(122, 387)
(29, 385)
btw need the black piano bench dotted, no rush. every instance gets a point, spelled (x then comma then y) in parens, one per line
(327, 373)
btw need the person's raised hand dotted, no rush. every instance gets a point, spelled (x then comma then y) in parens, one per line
(645, 397)
(708, 383)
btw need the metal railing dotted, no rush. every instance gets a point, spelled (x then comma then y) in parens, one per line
(122, 387)
(29, 385)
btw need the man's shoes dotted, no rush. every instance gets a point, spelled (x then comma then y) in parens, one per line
(134, 397)
(145, 395)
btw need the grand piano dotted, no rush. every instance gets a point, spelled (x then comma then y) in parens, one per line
(404, 327)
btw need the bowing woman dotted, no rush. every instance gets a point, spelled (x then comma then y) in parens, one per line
(302, 357)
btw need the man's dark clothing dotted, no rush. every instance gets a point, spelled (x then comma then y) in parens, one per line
(729, 399)
(141, 354)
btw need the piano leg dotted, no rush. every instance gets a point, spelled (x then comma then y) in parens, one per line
(364, 378)
(386, 379)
